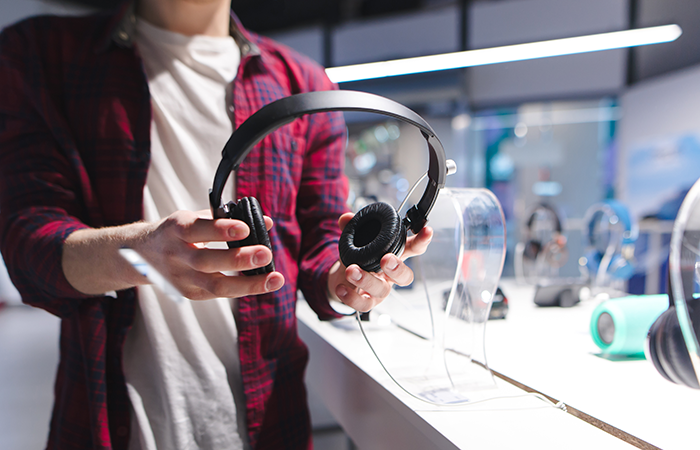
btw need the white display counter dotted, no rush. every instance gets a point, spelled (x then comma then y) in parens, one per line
(551, 350)
(548, 350)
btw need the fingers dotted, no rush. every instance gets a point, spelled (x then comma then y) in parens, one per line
(207, 286)
(418, 244)
(193, 228)
(344, 219)
(373, 285)
(204, 281)
(190, 228)
(172, 247)
(396, 271)
(359, 301)
(364, 290)
(223, 260)
(206, 214)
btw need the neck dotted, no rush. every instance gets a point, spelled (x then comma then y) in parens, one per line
(188, 17)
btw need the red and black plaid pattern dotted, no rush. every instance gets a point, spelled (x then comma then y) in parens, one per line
(74, 152)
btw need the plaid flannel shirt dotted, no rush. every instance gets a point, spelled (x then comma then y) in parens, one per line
(74, 152)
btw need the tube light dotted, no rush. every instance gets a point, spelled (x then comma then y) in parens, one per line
(507, 53)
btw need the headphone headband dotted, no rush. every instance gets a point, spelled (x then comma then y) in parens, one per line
(546, 207)
(609, 208)
(287, 109)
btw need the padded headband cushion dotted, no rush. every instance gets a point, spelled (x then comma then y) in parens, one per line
(249, 211)
(373, 232)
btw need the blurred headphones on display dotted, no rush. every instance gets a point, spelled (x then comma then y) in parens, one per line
(375, 230)
(553, 249)
(621, 264)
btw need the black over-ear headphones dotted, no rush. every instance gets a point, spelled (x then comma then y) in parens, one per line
(666, 346)
(672, 340)
(376, 229)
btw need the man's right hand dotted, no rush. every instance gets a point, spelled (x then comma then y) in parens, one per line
(175, 248)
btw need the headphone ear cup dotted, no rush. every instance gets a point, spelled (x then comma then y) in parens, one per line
(373, 232)
(668, 352)
(532, 249)
(249, 211)
(621, 268)
(593, 259)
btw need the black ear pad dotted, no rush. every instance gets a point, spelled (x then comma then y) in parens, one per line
(249, 211)
(668, 352)
(532, 249)
(375, 231)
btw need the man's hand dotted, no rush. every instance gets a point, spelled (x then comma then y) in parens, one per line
(363, 290)
(175, 248)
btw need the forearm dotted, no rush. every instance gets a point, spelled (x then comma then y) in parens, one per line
(175, 248)
(91, 261)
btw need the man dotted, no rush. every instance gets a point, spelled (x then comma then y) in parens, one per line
(110, 129)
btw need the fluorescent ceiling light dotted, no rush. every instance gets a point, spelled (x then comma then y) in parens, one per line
(507, 53)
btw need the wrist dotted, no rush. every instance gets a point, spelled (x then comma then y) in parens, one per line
(91, 261)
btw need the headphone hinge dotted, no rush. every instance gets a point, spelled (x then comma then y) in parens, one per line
(415, 220)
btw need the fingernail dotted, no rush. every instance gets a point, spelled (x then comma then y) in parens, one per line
(341, 291)
(236, 232)
(260, 258)
(393, 263)
(273, 284)
(355, 274)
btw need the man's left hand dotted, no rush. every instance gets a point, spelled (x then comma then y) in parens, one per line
(363, 290)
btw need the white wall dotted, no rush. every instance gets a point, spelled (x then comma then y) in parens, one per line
(667, 105)
(656, 113)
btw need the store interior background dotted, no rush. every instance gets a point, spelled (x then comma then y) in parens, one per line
(569, 130)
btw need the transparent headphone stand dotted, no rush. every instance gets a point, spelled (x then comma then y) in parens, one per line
(430, 336)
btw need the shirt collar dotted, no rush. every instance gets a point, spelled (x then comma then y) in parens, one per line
(121, 29)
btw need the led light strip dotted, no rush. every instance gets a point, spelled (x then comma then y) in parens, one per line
(507, 53)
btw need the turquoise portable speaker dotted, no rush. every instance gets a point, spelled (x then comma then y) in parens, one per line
(619, 326)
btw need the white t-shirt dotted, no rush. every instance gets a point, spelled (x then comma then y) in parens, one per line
(181, 359)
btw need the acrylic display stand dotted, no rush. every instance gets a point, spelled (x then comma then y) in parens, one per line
(429, 336)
